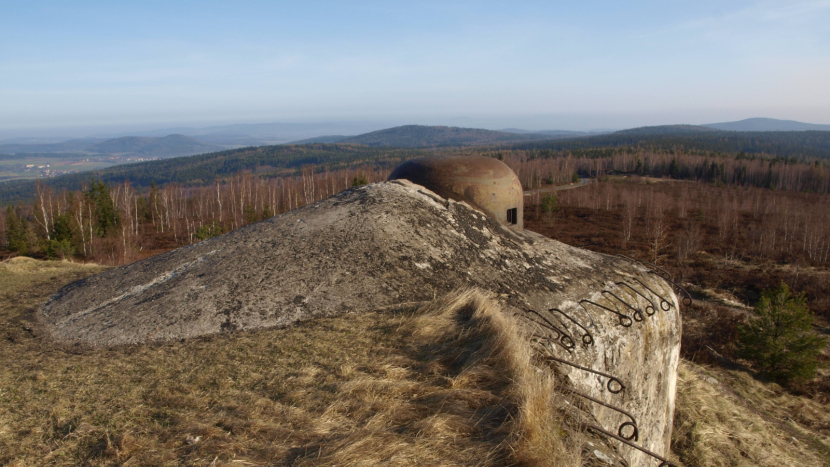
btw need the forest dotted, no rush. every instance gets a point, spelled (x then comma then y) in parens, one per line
(682, 152)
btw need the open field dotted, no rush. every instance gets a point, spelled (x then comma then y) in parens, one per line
(13, 169)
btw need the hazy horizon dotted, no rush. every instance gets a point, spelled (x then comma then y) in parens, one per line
(101, 68)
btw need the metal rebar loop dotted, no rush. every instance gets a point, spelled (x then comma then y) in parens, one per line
(638, 315)
(625, 320)
(569, 346)
(651, 266)
(663, 461)
(562, 339)
(587, 338)
(650, 303)
(664, 304)
(687, 300)
(633, 423)
(561, 335)
(611, 379)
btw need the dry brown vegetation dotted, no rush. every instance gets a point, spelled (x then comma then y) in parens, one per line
(446, 384)
(726, 245)
(727, 418)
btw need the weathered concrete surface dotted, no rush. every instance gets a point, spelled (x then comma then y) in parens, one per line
(381, 245)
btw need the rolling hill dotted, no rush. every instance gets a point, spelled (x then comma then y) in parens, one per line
(798, 144)
(167, 146)
(767, 124)
(322, 139)
(419, 136)
(72, 145)
(204, 168)
(413, 141)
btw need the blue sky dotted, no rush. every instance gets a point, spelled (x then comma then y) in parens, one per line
(536, 65)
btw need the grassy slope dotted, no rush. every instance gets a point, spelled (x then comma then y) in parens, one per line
(727, 418)
(450, 384)
(386, 388)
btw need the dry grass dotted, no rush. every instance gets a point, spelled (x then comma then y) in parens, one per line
(716, 424)
(447, 385)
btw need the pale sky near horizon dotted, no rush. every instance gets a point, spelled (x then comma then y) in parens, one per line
(535, 65)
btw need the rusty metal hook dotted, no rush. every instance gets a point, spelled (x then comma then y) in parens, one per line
(650, 266)
(561, 337)
(678, 287)
(625, 320)
(587, 338)
(564, 341)
(562, 334)
(633, 423)
(611, 379)
(663, 461)
(638, 315)
(650, 305)
(664, 304)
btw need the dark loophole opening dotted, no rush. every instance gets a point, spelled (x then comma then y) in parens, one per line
(513, 216)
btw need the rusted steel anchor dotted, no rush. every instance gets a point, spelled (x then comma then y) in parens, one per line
(638, 315)
(587, 338)
(633, 423)
(663, 461)
(611, 379)
(650, 303)
(678, 287)
(625, 320)
(561, 336)
(664, 304)
(651, 266)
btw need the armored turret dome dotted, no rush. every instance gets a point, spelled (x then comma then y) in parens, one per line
(487, 184)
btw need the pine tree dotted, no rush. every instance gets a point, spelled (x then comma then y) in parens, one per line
(16, 232)
(107, 217)
(779, 339)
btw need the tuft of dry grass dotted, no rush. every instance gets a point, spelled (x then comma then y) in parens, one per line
(447, 384)
(716, 424)
(497, 353)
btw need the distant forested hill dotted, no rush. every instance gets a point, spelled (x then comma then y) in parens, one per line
(167, 146)
(72, 145)
(322, 139)
(197, 170)
(418, 136)
(767, 124)
(811, 144)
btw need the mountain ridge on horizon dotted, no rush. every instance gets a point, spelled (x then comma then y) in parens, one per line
(216, 138)
(766, 124)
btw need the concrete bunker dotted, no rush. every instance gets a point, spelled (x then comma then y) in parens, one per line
(485, 183)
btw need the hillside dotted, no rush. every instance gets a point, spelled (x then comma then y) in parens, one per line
(767, 124)
(418, 136)
(73, 145)
(810, 144)
(205, 168)
(167, 146)
(322, 139)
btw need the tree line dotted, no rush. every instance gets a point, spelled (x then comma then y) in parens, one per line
(118, 223)
(114, 222)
